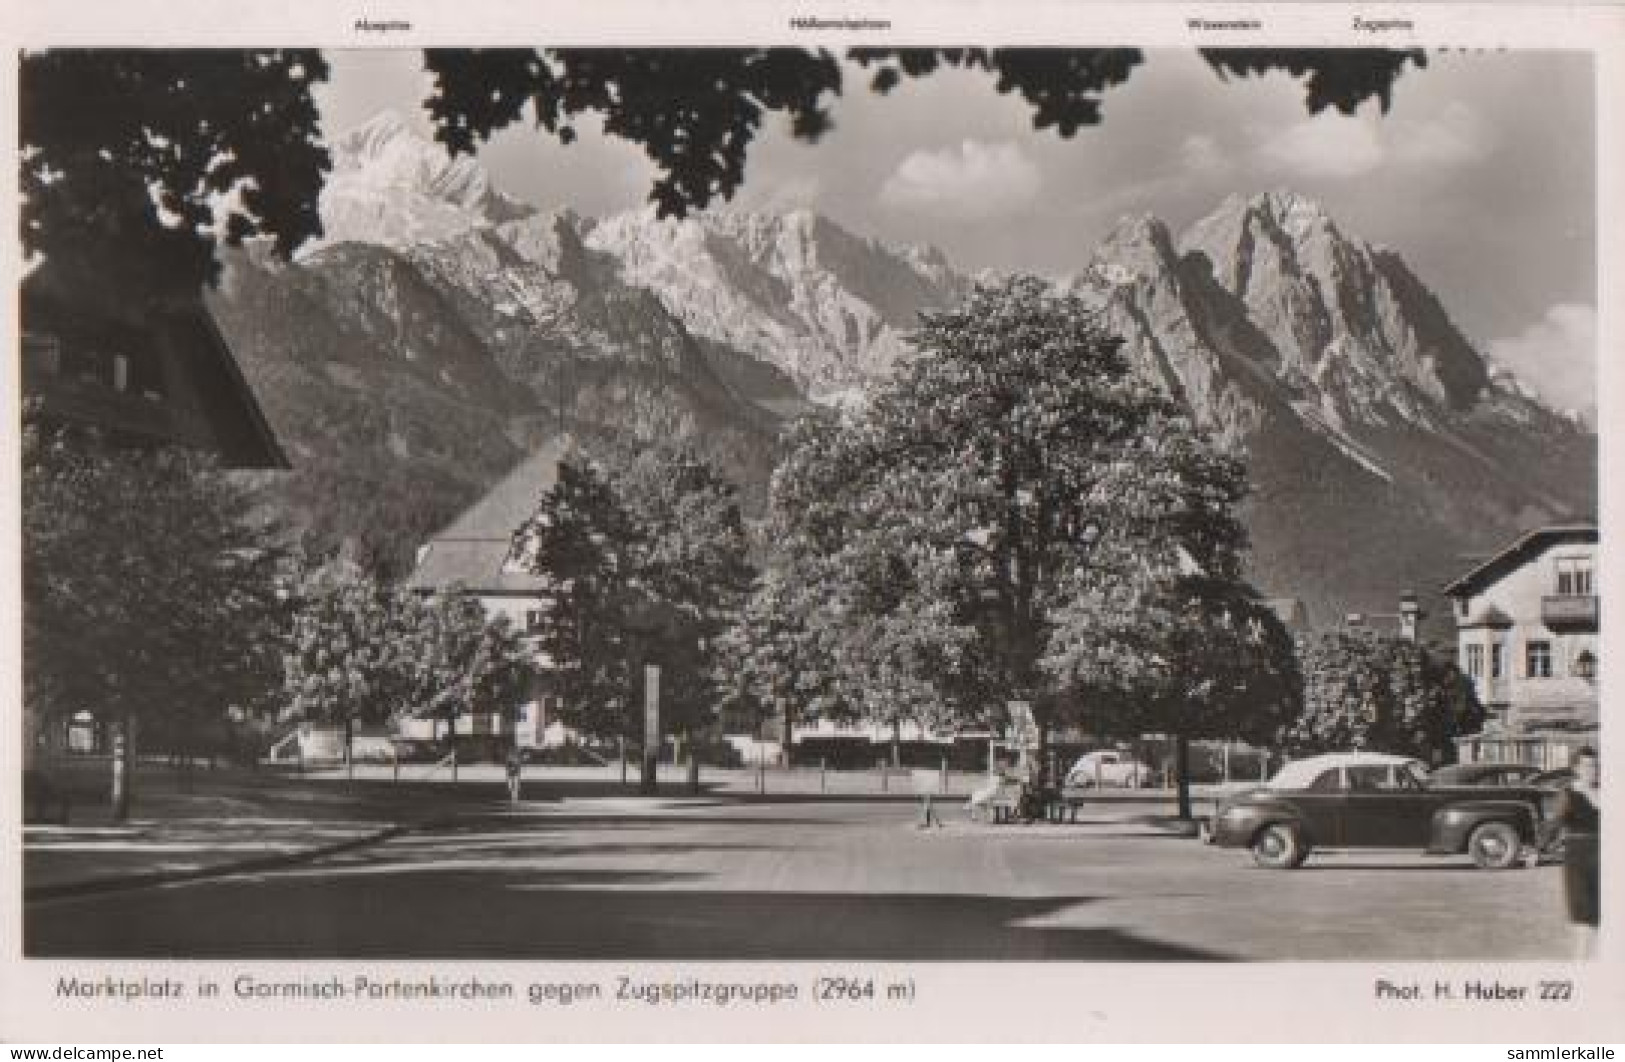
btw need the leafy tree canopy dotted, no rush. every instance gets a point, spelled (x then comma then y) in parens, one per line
(643, 564)
(358, 651)
(151, 587)
(1020, 516)
(585, 544)
(1363, 690)
(135, 164)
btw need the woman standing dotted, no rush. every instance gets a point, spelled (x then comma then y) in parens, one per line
(1578, 815)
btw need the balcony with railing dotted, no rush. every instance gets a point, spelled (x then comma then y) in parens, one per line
(1569, 611)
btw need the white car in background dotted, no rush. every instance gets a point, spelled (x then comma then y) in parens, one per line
(1108, 768)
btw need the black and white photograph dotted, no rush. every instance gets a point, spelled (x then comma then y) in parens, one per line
(836, 504)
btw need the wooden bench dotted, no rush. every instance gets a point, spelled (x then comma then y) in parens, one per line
(1066, 802)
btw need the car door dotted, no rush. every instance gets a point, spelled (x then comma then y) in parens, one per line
(1322, 805)
(1386, 808)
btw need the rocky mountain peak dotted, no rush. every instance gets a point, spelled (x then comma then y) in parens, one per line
(1346, 319)
(1138, 247)
(417, 361)
(391, 185)
(1297, 215)
(795, 290)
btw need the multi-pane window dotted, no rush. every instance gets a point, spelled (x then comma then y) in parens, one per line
(1497, 660)
(1574, 576)
(1475, 661)
(1538, 659)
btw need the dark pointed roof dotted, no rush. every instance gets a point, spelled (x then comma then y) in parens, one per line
(1517, 553)
(472, 550)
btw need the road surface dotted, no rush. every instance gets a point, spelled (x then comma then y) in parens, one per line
(802, 878)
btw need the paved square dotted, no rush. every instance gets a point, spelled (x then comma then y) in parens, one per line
(806, 878)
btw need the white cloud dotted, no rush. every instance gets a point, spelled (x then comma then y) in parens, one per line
(1327, 145)
(1557, 355)
(1344, 147)
(1457, 137)
(972, 181)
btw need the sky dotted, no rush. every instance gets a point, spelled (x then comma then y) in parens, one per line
(1481, 175)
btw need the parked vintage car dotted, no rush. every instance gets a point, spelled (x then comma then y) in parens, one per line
(1484, 774)
(1107, 768)
(1372, 800)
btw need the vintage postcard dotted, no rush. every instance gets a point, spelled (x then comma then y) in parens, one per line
(813, 522)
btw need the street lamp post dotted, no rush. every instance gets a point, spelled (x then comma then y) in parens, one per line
(649, 780)
(644, 625)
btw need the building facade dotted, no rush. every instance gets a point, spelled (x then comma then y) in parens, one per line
(474, 553)
(166, 378)
(142, 380)
(1527, 622)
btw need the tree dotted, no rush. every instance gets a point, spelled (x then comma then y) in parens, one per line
(647, 563)
(135, 164)
(1177, 651)
(361, 652)
(1004, 521)
(585, 544)
(351, 648)
(1162, 634)
(464, 661)
(149, 588)
(1363, 690)
(771, 662)
(693, 566)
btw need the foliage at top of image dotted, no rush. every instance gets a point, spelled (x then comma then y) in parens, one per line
(136, 164)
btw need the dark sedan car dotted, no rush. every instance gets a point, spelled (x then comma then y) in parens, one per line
(1370, 800)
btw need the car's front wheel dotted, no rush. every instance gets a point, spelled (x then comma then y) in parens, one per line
(1280, 847)
(1494, 846)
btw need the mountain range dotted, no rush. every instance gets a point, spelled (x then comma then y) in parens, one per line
(441, 330)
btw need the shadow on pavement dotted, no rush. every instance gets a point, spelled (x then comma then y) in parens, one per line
(570, 915)
(615, 821)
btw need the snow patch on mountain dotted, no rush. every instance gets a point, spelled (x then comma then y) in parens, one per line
(794, 290)
(393, 187)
